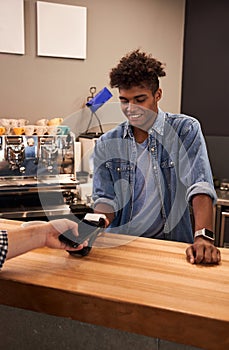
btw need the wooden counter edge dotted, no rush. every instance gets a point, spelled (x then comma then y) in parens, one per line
(169, 325)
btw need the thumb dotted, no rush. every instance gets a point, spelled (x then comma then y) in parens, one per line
(190, 255)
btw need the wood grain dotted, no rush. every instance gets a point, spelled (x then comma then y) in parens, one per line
(143, 286)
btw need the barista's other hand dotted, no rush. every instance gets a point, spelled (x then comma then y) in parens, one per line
(202, 251)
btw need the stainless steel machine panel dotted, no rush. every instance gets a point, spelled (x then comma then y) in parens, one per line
(37, 175)
(36, 155)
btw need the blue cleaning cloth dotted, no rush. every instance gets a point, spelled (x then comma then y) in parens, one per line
(99, 99)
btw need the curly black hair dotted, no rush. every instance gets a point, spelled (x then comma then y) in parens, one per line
(135, 69)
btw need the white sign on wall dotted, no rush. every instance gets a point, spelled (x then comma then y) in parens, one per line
(61, 30)
(12, 26)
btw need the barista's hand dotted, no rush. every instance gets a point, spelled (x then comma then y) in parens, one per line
(202, 251)
(56, 227)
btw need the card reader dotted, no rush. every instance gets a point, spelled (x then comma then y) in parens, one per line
(89, 228)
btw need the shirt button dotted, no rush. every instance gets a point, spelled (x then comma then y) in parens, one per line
(172, 163)
(152, 149)
(155, 167)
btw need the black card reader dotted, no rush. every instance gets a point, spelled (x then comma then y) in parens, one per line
(88, 229)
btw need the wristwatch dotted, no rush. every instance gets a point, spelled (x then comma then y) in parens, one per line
(205, 233)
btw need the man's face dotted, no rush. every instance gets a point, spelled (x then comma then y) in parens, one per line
(140, 106)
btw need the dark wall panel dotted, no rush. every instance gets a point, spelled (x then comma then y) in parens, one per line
(218, 148)
(205, 92)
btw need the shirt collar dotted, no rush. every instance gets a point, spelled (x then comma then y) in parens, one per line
(158, 125)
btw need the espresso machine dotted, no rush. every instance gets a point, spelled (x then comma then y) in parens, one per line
(37, 176)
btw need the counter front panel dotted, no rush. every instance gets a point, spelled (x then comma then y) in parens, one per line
(143, 286)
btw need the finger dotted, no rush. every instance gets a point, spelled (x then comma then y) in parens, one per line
(208, 257)
(107, 222)
(200, 251)
(216, 256)
(71, 225)
(85, 243)
(74, 228)
(190, 255)
(219, 255)
(72, 249)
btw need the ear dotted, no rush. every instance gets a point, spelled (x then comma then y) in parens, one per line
(158, 94)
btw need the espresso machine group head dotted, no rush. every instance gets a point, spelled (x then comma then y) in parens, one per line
(15, 152)
(48, 153)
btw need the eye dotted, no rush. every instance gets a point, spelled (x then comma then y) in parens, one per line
(140, 99)
(124, 102)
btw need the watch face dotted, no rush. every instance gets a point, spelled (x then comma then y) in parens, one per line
(209, 234)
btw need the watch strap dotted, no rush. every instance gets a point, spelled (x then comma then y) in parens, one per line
(205, 233)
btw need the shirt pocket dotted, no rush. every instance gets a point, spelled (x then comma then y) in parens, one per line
(168, 170)
(167, 163)
(119, 169)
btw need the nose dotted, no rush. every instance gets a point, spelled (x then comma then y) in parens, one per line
(130, 107)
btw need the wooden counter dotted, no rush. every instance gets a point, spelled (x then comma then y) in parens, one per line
(144, 286)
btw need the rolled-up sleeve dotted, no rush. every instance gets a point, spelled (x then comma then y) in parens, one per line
(195, 169)
(201, 188)
(3, 246)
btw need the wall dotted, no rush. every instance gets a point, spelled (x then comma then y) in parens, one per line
(34, 87)
(206, 75)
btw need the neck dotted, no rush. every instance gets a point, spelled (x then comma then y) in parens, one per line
(140, 135)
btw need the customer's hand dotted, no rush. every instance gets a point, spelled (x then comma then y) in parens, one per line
(202, 251)
(56, 227)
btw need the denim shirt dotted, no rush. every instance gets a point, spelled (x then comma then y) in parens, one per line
(180, 164)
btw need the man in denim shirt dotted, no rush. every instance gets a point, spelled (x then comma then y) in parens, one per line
(150, 170)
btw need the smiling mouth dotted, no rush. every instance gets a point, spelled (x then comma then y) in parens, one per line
(134, 116)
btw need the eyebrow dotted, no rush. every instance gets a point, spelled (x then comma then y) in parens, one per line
(137, 96)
